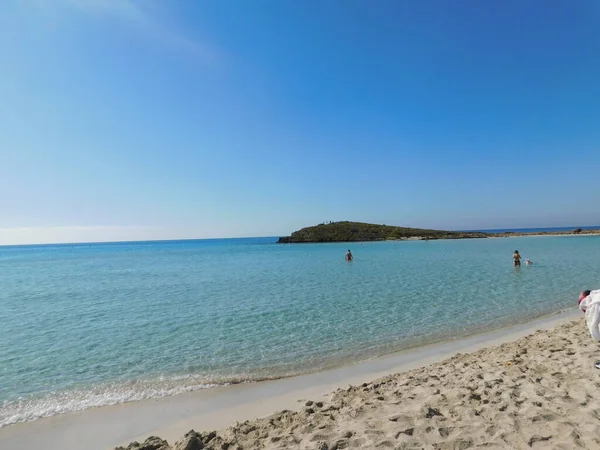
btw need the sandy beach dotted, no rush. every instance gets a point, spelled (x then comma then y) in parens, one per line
(510, 388)
(540, 391)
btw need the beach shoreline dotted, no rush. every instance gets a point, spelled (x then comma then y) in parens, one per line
(557, 234)
(171, 417)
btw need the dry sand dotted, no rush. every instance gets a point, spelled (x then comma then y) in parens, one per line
(541, 391)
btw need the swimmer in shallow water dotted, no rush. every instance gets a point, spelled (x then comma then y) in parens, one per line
(528, 262)
(349, 256)
(516, 258)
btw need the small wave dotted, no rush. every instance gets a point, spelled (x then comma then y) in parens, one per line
(25, 409)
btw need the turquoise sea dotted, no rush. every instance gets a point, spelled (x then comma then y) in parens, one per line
(87, 325)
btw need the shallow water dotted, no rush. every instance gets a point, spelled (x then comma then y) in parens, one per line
(90, 325)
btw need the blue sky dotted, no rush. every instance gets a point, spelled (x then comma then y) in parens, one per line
(125, 119)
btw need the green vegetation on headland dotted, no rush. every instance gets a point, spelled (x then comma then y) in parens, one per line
(358, 231)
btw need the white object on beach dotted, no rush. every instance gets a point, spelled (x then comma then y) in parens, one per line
(591, 306)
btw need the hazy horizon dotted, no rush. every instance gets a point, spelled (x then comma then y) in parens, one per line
(67, 239)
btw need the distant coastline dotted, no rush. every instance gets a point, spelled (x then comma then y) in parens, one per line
(259, 240)
(366, 232)
(531, 230)
(587, 232)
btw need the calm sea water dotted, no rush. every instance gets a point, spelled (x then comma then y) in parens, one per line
(90, 325)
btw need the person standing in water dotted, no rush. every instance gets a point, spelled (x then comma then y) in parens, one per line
(349, 256)
(516, 258)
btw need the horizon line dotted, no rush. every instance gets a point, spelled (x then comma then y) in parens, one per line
(150, 241)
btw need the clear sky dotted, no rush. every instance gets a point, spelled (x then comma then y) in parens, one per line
(124, 119)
